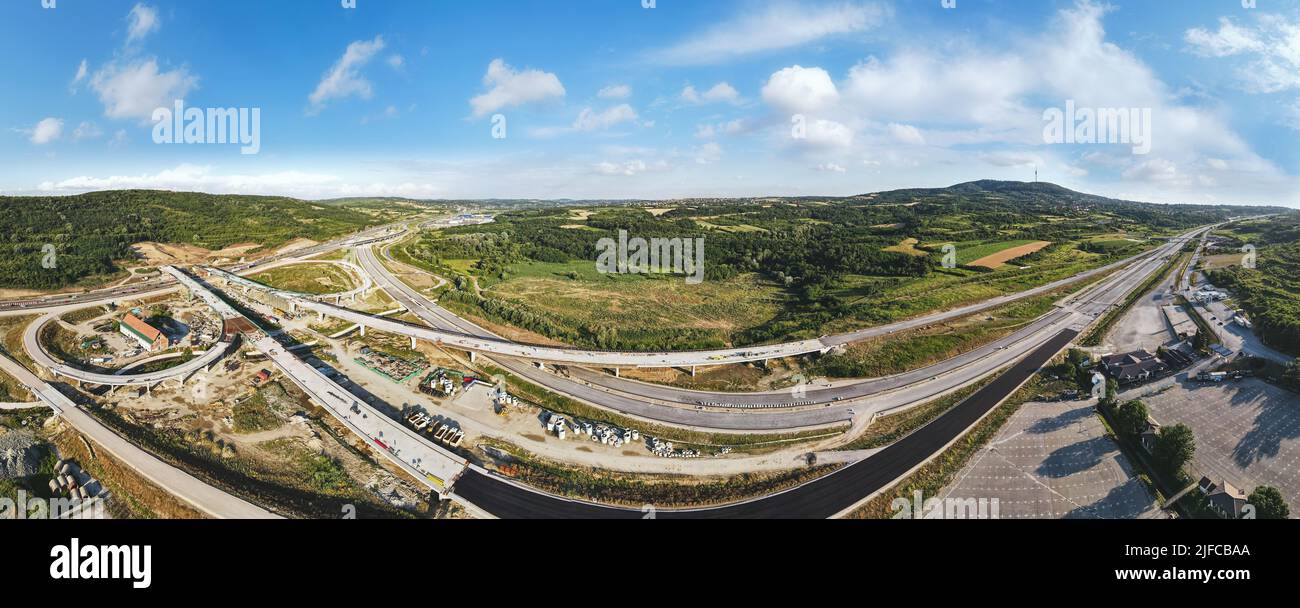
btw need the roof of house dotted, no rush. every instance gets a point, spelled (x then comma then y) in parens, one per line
(138, 325)
(1137, 356)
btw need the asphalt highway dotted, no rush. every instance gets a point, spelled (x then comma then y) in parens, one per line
(828, 496)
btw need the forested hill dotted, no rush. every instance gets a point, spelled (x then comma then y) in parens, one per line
(92, 232)
(1044, 197)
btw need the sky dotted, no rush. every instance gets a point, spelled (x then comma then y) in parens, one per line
(656, 99)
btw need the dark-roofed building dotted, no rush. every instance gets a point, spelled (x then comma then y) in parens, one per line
(1133, 367)
(1224, 498)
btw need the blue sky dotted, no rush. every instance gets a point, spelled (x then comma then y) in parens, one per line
(606, 98)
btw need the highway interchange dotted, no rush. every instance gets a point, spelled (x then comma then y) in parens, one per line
(1021, 353)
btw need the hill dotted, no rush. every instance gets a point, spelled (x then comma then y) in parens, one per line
(92, 233)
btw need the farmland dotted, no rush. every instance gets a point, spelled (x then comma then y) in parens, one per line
(782, 268)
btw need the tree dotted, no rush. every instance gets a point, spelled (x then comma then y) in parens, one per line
(1292, 375)
(1131, 418)
(1201, 341)
(1268, 503)
(1174, 447)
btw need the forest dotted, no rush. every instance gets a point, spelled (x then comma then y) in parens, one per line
(90, 235)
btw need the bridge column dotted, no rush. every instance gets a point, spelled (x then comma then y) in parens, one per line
(616, 373)
(692, 371)
(363, 330)
(541, 365)
(322, 317)
(472, 356)
(412, 342)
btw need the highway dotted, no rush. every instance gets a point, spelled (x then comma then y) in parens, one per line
(424, 460)
(838, 404)
(207, 499)
(32, 343)
(833, 495)
(164, 283)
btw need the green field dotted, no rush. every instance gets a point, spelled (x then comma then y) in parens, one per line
(780, 268)
(314, 279)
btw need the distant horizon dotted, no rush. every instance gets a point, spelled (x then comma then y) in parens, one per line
(720, 99)
(635, 199)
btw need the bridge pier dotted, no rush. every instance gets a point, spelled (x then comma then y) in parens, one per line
(692, 371)
(412, 342)
(472, 356)
(363, 330)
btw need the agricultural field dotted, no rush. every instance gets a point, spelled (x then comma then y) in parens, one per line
(782, 268)
(308, 278)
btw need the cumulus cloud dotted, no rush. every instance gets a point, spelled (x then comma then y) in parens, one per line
(721, 92)
(508, 87)
(46, 131)
(830, 168)
(615, 91)
(134, 90)
(141, 21)
(344, 79)
(591, 120)
(800, 89)
(396, 62)
(774, 27)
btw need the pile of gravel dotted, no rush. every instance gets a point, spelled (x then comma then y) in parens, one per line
(20, 455)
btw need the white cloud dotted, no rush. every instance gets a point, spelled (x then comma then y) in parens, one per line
(721, 92)
(708, 153)
(830, 168)
(1228, 40)
(590, 120)
(800, 89)
(629, 168)
(777, 26)
(510, 88)
(906, 134)
(396, 61)
(87, 130)
(344, 78)
(46, 131)
(143, 20)
(83, 70)
(189, 177)
(615, 91)
(824, 134)
(1274, 44)
(135, 90)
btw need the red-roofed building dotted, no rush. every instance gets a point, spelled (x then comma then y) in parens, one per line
(147, 335)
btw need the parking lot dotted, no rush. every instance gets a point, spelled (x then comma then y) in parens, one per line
(1053, 460)
(1247, 433)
